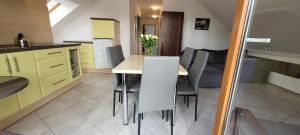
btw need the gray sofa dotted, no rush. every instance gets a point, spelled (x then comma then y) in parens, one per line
(213, 73)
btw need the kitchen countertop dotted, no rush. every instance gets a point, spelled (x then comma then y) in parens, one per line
(78, 41)
(10, 85)
(15, 48)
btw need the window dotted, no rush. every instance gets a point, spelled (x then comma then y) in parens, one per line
(52, 5)
(58, 9)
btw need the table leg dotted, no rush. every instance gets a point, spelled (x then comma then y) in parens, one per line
(125, 103)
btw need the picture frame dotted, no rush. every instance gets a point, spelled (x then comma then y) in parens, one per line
(202, 23)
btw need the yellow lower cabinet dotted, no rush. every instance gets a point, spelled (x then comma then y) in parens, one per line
(55, 82)
(50, 66)
(87, 63)
(23, 64)
(47, 53)
(9, 106)
(5, 65)
(87, 54)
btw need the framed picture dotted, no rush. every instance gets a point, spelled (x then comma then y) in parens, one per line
(202, 23)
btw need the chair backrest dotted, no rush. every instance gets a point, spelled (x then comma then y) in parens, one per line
(114, 59)
(197, 69)
(158, 85)
(187, 57)
(120, 52)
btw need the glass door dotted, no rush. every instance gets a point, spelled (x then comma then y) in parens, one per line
(264, 94)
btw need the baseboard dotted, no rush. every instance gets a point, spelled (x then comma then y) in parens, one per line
(89, 70)
(24, 112)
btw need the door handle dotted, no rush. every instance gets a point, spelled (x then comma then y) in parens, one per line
(258, 40)
(8, 66)
(17, 64)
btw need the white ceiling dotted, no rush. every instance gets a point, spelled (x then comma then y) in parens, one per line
(145, 6)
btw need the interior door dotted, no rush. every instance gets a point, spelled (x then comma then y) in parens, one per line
(171, 33)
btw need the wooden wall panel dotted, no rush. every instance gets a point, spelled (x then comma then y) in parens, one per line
(29, 17)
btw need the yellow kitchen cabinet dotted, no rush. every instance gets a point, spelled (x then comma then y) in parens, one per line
(87, 63)
(23, 64)
(5, 65)
(74, 63)
(55, 82)
(8, 105)
(47, 53)
(103, 28)
(53, 65)
(87, 54)
(86, 46)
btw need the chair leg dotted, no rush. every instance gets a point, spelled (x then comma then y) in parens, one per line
(134, 112)
(119, 97)
(184, 99)
(139, 123)
(167, 116)
(187, 102)
(142, 116)
(171, 123)
(162, 114)
(121, 94)
(196, 105)
(114, 104)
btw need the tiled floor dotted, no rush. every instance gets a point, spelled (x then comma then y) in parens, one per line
(87, 110)
(270, 102)
(276, 108)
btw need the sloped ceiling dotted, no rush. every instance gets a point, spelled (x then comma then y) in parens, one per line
(83, 5)
(276, 19)
(224, 9)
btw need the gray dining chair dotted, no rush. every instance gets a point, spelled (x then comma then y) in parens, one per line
(120, 52)
(187, 57)
(115, 59)
(158, 87)
(190, 87)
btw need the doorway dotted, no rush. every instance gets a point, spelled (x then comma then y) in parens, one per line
(149, 29)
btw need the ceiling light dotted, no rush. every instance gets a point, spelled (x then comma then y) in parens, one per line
(155, 7)
(154, 16)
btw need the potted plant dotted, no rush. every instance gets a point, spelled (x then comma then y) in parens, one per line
(149, 42)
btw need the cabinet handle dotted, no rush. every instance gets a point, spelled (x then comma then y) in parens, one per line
(17, 64)
(58, 82)
(56, 65)
(8, 66)
(54, 52)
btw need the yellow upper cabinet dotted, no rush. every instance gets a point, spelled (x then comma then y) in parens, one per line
(105, 28)
(23, 64)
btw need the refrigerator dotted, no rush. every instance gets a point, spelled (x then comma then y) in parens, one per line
(100, 46)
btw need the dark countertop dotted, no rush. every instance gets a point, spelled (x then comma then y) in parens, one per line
(78, 41)
(10, 85)
(15, 48)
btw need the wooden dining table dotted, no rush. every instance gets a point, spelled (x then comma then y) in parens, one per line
(134, 65)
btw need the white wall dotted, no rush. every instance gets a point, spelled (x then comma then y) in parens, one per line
(79, 27)
(217, 37)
